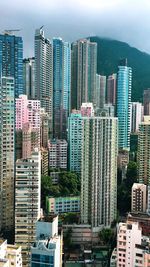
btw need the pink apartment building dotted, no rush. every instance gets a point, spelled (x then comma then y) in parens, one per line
(133, 249)
(27, 111)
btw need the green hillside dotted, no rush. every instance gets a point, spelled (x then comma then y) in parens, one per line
(109, 53)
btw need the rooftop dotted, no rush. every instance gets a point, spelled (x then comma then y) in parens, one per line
(49, 218)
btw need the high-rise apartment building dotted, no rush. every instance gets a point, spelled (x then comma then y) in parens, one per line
(44, 73)
(58, 153)
(27, 202)
(11, 59)
(97, 102)
(124, 85)
(139, 198)
(146, 102)
(7, 152)
(61, 86)
(75, 128)
(29, 77)
(99, 170)
(111, 89)
(84, 68)
(136, 116)
(144, 151)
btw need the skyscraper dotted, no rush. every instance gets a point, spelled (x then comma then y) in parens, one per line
(61, 86)
(146, 101)
(75, 127)
(136, 116)
(84, 68)
(102, 91)
(111, 89)
(11, 60)
(7, 152)
(44, 72)
(144, 151)
(99, 170)
(27, 204)
(124, 85)
(29, 77)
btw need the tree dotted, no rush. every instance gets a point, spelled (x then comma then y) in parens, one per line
(68, 183)
(124, 189)
(106, 236)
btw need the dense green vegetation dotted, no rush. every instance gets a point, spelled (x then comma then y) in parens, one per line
(111, 51)
(124, 188)
(68, 184)
(107, 236)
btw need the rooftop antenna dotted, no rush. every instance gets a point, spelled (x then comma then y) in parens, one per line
(9, 32)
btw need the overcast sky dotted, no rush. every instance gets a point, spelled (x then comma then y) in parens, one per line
(125, 20)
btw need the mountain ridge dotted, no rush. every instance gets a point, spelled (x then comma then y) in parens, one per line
(110, 51)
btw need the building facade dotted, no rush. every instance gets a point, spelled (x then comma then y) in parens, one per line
(84, 68)
(61, 86)
(27, 204)
(11, 59)
(7, 152)
(124, 85)
(99, 171)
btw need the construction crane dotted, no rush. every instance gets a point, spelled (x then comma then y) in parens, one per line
(9, 32)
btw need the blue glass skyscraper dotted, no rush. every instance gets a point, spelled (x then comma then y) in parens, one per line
(61, 86)
(124, 85)
(11, 60)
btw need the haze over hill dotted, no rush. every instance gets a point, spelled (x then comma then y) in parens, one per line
(109, 53)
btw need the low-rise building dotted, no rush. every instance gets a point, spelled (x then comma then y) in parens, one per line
(143, 219)
(63, 204)
(47, 249)
(10, 255)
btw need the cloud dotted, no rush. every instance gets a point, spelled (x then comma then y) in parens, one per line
(126, 20)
